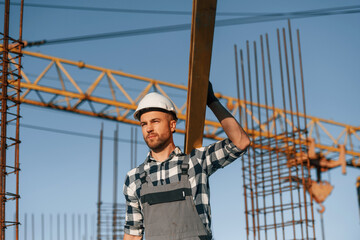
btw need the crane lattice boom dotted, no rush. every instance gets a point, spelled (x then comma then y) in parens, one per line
(118, 100)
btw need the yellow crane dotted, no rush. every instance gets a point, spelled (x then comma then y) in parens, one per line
(65, 93)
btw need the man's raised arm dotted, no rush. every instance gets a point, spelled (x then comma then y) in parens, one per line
(230, 125)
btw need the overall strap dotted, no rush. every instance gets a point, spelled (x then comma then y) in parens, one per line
(185, 165)
(142, 173)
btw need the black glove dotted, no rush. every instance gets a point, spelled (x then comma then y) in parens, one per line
(211, 96)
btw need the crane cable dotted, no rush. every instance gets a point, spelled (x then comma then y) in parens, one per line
(219, 23)
(72, 133)
(124, 10)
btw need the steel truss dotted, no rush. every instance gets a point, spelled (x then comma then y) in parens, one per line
(114, 95)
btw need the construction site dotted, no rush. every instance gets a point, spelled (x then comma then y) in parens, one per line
(74, 72)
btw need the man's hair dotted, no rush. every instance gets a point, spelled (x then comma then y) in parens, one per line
(173, 116)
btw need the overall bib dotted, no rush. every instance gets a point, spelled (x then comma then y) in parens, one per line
(169, 210)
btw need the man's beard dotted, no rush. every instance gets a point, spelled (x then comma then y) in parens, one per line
(157, 143)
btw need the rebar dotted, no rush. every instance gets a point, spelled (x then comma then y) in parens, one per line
(114, 219)
(268, 131)
(135, 148)
(42, 227)
(65, 227)
(98, 229)
(83, 230)
(132, 149)
(241, 122)
(58, 226)
(304, 111)
(108, 231)
(10, 112)
(275, 177)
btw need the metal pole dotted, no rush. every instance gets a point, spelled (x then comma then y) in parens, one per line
(92, 226)
(135, 148)
(322, 226)
(51, 227)
(132, 148)
(254, 155)
(14, 228)
(262, 182)
(293, 133)
(25, 227)
(17, 152)
(65, 226)
(115, 182)
(73, 226)
(42, 227)
(93, 222)
(268, 135)
(306, 134)
(108, 227)
(276, 139)
(286, 129)
(249, 166)
(58, 226)
(240, 115)
(3, 147)
(79, 226)
(86, 227)
(99, 187)
(33, 226)
(294, 129)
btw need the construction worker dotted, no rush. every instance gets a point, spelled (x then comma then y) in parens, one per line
(167, 196)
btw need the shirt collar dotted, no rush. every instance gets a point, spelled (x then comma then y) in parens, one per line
(177, 152)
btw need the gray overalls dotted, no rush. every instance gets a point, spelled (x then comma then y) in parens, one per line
(169, 210)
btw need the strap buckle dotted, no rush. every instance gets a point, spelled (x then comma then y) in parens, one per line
(143, 177)
(184, 168)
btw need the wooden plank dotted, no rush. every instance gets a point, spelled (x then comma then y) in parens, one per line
(202, 32)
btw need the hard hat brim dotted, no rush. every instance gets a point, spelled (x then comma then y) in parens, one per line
(138, 113)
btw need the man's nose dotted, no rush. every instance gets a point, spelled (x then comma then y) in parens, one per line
(149, 128)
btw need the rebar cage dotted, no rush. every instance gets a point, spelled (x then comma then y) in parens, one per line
(276, 170)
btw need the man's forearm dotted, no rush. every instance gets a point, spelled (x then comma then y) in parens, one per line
(131, 237)
(230, 126)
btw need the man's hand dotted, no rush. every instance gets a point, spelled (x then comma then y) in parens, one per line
(229, 124)
(131, 237)
(211, 96)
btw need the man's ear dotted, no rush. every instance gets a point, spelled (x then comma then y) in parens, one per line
(172, 125)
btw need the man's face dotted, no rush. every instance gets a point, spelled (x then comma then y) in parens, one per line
(157, 128)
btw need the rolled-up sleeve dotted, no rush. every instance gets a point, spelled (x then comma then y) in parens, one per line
(219, 155)
(134, 217)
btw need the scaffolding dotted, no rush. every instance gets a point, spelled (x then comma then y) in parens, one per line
(10, 113)
(276, 171)
(111, 214)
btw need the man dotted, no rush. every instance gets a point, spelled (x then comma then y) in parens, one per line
(167, 196)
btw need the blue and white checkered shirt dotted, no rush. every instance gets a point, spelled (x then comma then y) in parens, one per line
(203, 162)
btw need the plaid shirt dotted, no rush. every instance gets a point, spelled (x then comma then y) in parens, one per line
(203, 162)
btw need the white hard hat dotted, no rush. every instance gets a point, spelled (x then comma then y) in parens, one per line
(154, 102)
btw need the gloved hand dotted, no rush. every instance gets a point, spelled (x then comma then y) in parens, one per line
(211, 96)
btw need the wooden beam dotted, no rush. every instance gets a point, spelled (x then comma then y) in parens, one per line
(202, 32)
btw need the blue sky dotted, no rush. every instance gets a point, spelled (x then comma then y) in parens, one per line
(59, 172)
